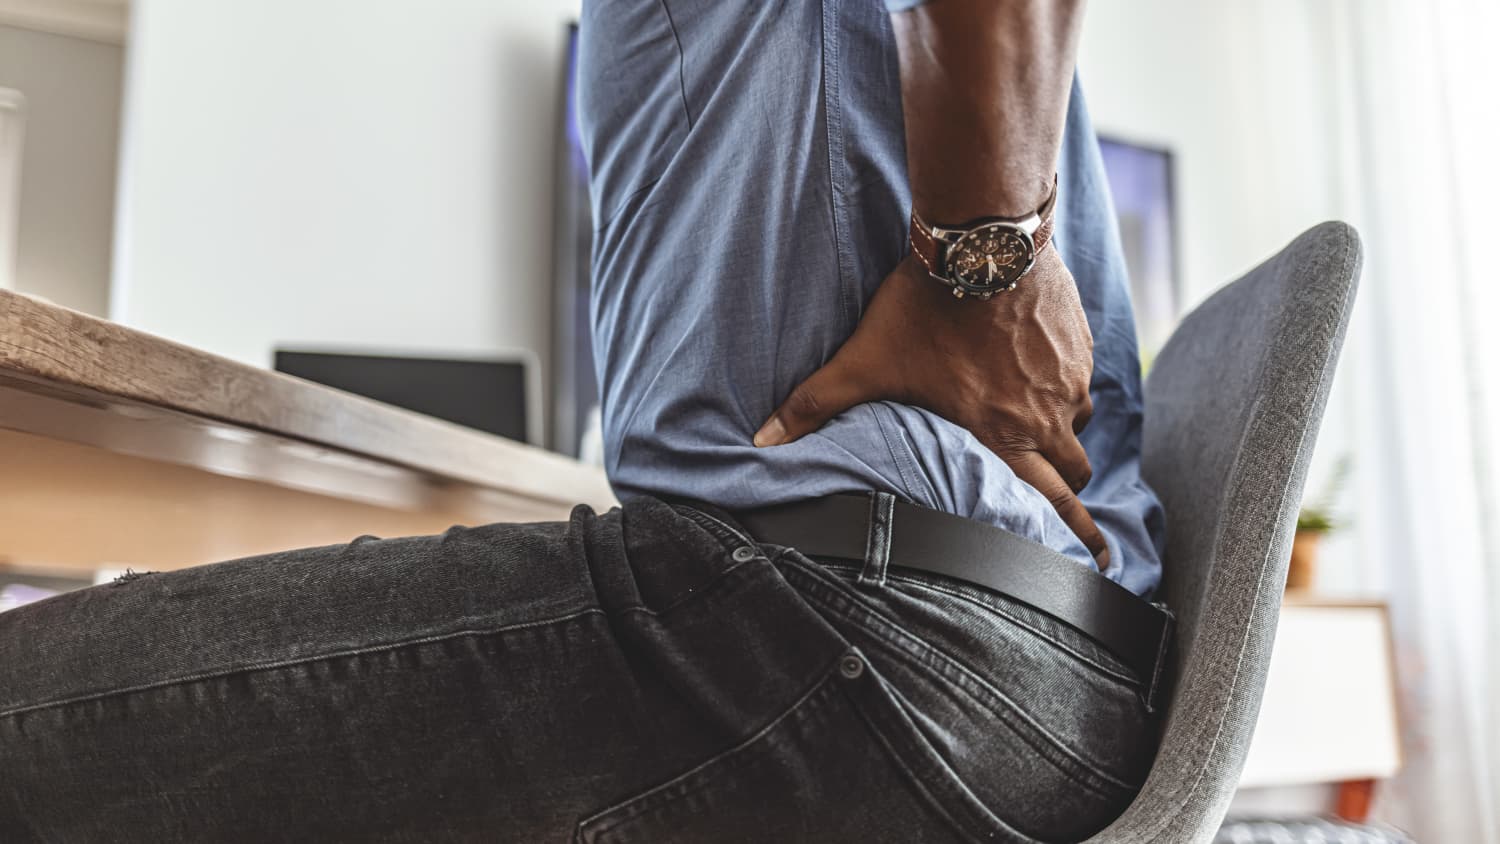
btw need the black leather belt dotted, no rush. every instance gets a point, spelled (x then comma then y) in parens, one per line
(847, 526)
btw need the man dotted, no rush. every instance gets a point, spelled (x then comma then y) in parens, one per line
(790, 199)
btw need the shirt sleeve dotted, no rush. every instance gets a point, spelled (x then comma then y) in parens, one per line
(894, 6)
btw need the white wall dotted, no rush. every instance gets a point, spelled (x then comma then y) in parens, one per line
(346, 172)
(66, 213)
(1239, 92)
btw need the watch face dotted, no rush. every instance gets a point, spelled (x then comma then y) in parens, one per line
(990, 258)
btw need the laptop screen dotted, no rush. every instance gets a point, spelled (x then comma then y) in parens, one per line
(489, 395)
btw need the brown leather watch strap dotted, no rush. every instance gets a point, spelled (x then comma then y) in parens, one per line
(922, 244)
(1043, 233)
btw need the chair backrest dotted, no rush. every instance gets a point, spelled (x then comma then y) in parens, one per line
(1233, 404)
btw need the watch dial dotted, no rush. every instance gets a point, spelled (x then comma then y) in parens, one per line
(989, 258)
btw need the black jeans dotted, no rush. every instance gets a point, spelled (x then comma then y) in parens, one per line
(644, 675)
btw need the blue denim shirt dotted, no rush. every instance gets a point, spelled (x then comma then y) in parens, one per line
(748, 179)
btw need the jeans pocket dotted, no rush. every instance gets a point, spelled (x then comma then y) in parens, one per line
(844, 763)
(1044, 727)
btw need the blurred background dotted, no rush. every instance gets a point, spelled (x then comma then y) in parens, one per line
(386, 196)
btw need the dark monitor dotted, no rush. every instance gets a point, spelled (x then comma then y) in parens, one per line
(489, 395)
(1142, 182)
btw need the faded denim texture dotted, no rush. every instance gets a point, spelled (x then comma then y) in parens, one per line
(749, 185)
(645, 675)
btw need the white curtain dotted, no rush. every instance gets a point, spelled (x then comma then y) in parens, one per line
(1414, 116)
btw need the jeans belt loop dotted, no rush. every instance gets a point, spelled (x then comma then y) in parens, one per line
(878, 539)
(1156, 684)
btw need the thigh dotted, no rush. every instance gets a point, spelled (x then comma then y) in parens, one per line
(497, 681)
(643, 675)
(382, 688)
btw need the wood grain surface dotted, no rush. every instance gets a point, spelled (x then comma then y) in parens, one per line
(72, 377)
(110, 377)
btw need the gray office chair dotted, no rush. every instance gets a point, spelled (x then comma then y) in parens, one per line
(1232, 409)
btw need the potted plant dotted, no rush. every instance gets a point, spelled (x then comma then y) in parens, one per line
(1314, 521)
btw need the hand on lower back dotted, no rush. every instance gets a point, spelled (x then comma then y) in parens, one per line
(1013, 370)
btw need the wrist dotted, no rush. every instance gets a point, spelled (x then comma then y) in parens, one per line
(1010, 195)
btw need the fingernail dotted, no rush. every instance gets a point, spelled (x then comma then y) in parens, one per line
(771, 433)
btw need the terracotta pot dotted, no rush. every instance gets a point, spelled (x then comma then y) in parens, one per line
(1304, 565)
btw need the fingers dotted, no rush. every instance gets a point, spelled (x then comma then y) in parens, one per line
(1034, 469)
(1081, 419)
(1071, 462)
(825, 394)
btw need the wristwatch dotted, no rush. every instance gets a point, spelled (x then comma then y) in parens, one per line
(985, 256)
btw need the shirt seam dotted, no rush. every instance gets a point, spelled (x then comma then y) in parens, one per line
(903, 458)
(833, 137)
(681, 65)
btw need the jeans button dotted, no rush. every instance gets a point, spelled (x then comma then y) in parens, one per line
(743, 553)
(851, 666)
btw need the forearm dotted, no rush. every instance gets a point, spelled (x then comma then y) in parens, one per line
(984, 87)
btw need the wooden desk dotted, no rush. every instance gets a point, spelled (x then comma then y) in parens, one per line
(121, 448)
